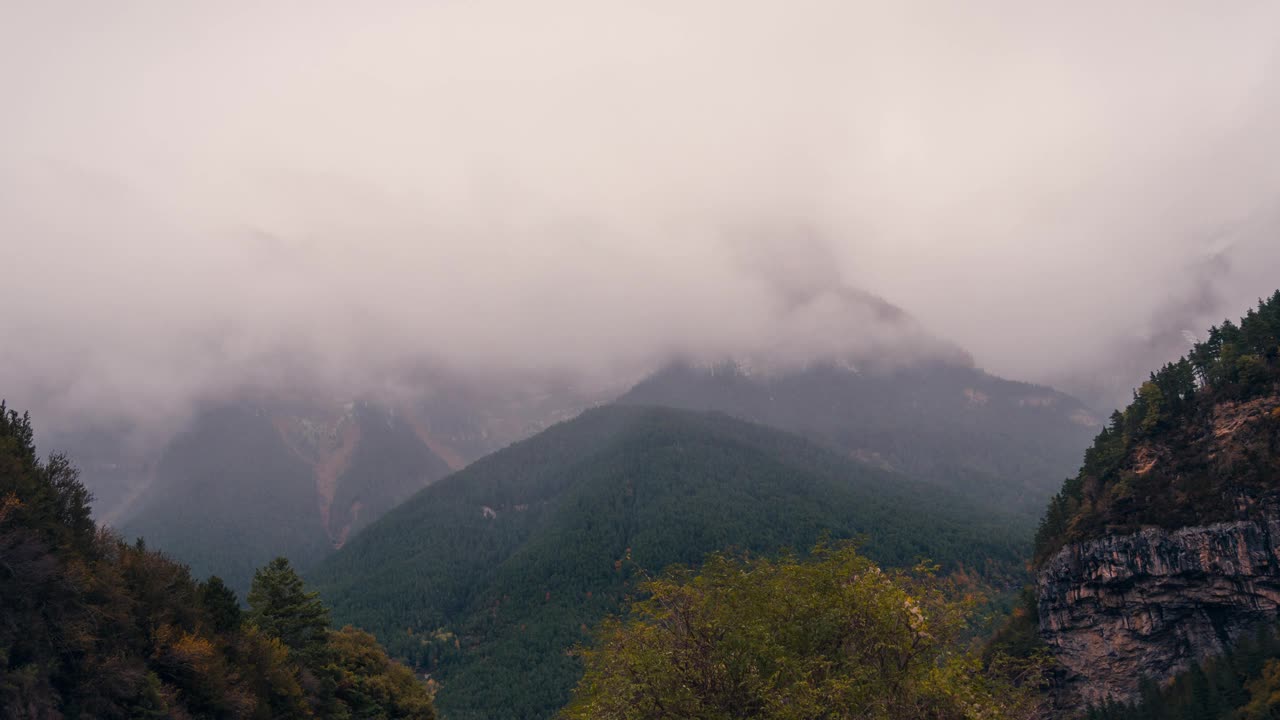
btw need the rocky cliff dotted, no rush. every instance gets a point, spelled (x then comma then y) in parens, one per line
(1146, 604)
(1162, 550)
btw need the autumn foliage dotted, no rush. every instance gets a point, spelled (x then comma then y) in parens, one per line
(93, 627)
(833, 636)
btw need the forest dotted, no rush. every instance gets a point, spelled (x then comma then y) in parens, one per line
(94, 627)
(490, 576)
(1165, 459)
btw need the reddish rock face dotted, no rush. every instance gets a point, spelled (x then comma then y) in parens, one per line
(1121, 608)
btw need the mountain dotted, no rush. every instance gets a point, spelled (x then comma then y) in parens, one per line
(460, 418)
(488, 577)
(246, 483)
(464, 418)
(93, 627)
(998, 441)
(295, 474)
(1165, 548)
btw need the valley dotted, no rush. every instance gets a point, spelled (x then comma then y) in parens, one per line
(581, 360)
(501, 568)
(493, 576)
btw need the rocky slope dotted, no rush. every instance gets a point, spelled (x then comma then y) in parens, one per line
(1118, 609)
(246, 483)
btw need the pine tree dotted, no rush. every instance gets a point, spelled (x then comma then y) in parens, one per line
(281, 607)
(221, 604)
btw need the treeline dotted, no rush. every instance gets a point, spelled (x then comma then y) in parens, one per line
(93, 627)
(1244, 684)
(1161, 428)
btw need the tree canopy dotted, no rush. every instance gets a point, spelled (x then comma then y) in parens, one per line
(93, 627)
(1200, 434)
(280, 606)
(831, 637)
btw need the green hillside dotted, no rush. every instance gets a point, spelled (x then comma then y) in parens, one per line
(1006, 444)
(489, 576)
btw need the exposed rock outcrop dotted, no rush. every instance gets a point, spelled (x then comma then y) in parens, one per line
(1147, 604)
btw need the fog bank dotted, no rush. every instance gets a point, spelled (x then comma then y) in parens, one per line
(196, 198)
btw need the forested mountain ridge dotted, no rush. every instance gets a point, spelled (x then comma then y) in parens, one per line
(1165, 548)
(93, 627)
(1200, 442)
(1002, 442)
(487, 577)
(246, 483)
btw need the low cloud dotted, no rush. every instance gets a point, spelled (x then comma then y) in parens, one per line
(193, 199)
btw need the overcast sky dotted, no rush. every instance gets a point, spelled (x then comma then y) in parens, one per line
(196, 194)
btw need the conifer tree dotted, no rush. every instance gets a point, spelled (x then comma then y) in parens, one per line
(221, 604)
(281, 607)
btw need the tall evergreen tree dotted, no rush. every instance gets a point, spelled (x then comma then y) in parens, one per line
(281, 607)
(221, 604)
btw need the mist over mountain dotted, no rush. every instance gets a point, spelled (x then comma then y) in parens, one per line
(1005, 444)
(904, 400)
(587, 188)
(460, 415)
(1200, 297)
(247, 484)
(453, 418)
(461, 307)
(297, 474)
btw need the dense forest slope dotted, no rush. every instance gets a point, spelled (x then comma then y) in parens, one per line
(1198, 444)
(489, 576)
(244, 484)
(1001, 442)
(1165, 547)
(92, 627)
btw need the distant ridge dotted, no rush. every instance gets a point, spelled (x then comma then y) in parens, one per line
(247, 483)
(997, 441)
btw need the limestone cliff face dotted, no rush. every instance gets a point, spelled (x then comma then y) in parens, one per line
(1120, 608)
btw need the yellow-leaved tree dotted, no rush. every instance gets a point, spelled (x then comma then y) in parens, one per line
(832, 636)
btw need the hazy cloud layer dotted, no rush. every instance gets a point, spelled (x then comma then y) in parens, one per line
(194, 195)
